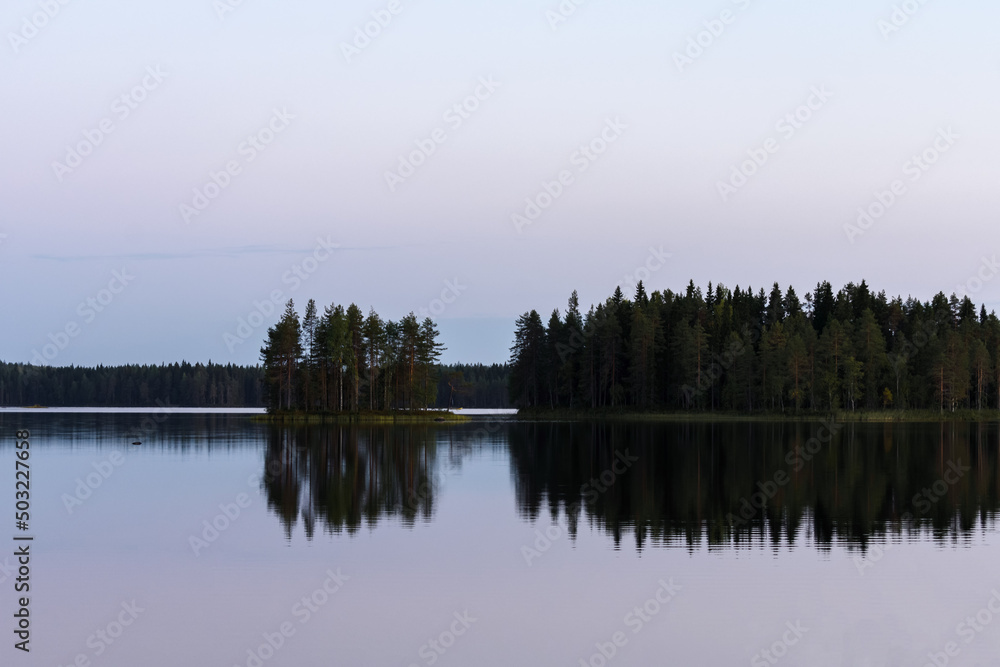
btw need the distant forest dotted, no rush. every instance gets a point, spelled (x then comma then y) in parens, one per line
(473, 386)
(338, 361)
(174, 385)
(207, 386)
(737, 350)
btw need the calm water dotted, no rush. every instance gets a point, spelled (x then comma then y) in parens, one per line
(224, 542)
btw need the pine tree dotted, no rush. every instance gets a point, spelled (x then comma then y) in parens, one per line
(428, 354)
(527, 361)
(569, 354)
(775, 306)
(374, 344)
(773, 367)
(310, 323)
(280, 355)
(642, 347)
(355, 354)
(981, 365)
(798, 367)
(555, 339)
(869, 345)
(409, 357)
(332, 338)
(834, 349)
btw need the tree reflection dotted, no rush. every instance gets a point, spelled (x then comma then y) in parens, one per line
(343, 477)
(761, 484)
(733, 485)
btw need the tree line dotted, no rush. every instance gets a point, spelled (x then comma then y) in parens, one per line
(473, 386)
(167, 385)
(207, 386)
(738, 350)
(342, 360)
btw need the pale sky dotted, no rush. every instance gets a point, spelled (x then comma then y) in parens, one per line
(116, 112)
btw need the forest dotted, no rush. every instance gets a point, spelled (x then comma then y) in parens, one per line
(133, 386)
(206, 386)
(344, 361)
(473, 386)
(736, 350)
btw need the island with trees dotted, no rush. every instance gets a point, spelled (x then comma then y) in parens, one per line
(342, 362)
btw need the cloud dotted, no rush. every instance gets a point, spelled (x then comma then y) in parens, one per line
(234, 252)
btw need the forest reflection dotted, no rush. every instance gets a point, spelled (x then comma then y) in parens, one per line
(762, 484)
(734, 485)
(343, 477)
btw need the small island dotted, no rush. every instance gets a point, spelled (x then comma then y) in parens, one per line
(343, 366)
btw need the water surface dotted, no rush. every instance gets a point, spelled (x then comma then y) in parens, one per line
(500, 543)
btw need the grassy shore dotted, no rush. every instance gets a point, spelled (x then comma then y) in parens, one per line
(363, 417)
(843, 416)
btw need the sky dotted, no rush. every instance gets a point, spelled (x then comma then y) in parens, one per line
(172, 173)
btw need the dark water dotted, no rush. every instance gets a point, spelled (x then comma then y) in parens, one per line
(220, 541)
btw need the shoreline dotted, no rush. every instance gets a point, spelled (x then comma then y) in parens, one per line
(394, 417)
(540, 415)
(858, 416)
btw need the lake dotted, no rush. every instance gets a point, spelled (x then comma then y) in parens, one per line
(222, 541)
